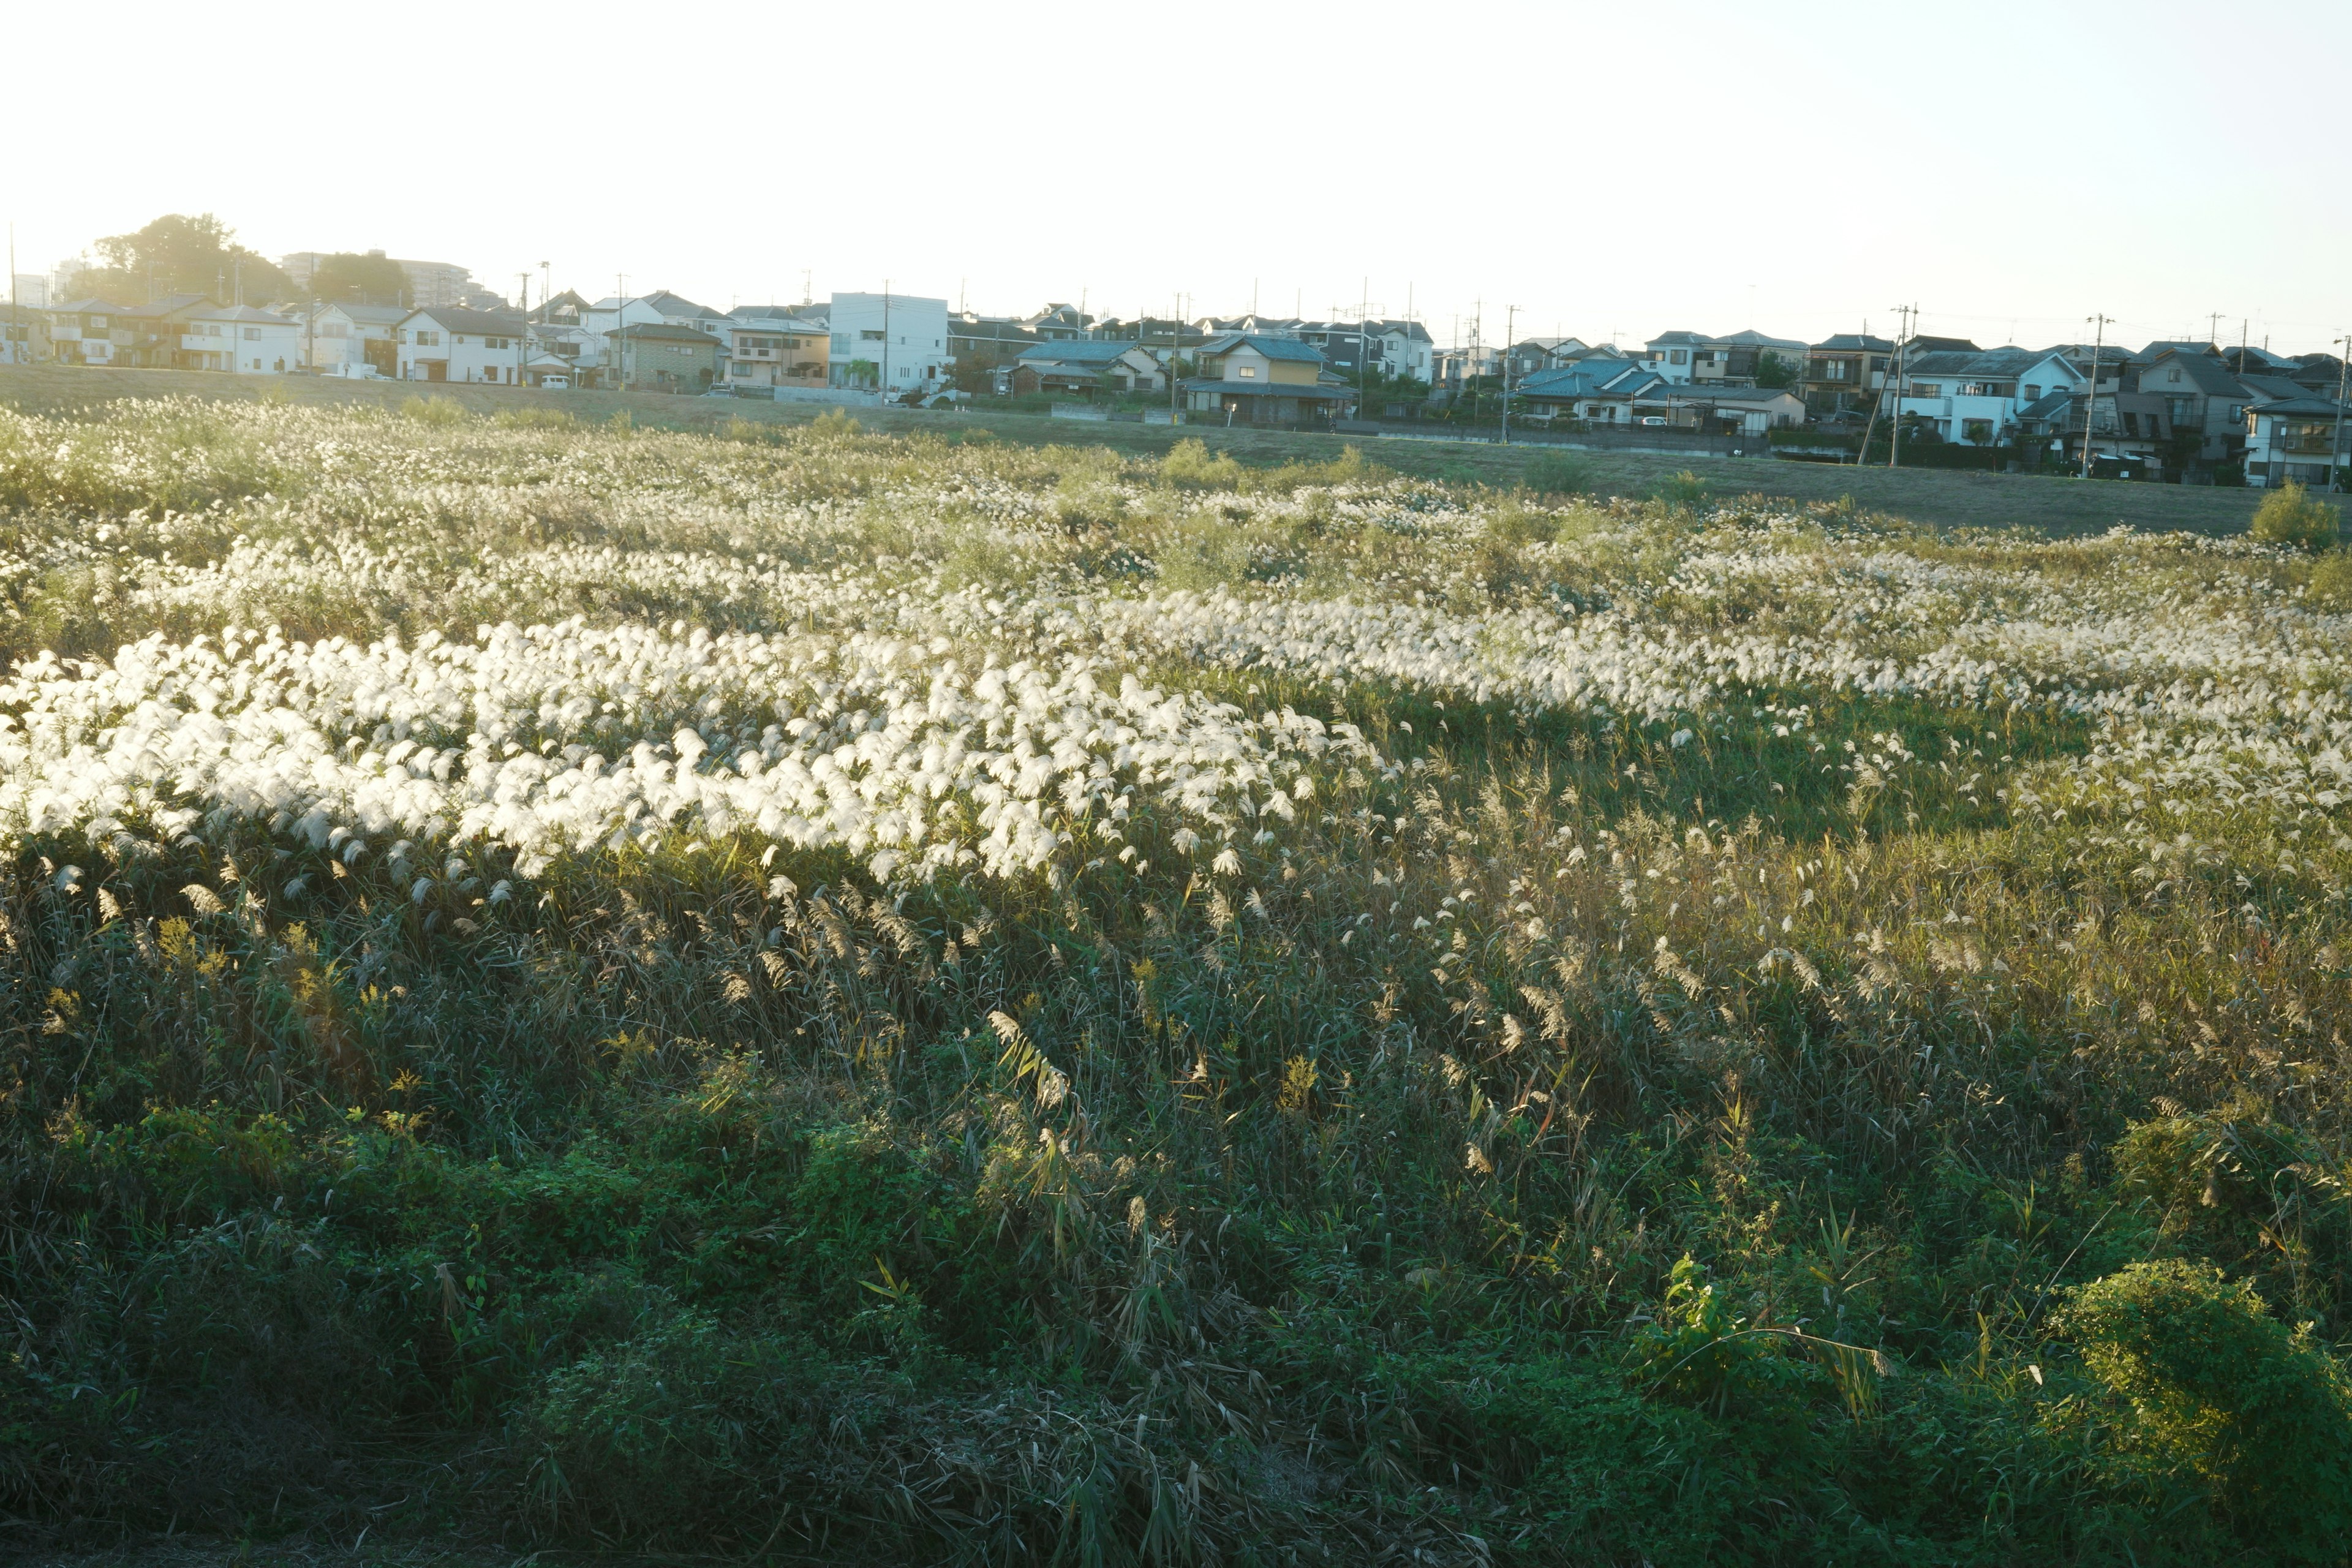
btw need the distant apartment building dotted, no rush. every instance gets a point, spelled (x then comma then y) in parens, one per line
(29, 289)
(896, 343)
(430, 283)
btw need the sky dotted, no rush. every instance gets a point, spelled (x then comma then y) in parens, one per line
(1605, 171)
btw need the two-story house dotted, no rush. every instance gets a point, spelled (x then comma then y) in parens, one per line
(1396, 349)
(2202, 398)
(1844, 373)
(1973, 396)
(2291, 433)
(656, 356)
(775, 348)
(353, 339)
(156, 336)
(1267, 381)
(453, 343)
(82, 332)
(23, 333)
(1735, 358)
(896, 343)
(240, 338)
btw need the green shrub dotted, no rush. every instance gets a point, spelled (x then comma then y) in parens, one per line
(2219, 1389)
(1190, 466)
(2329, 586)
(1684, 491)
(834, 422)
(2288, 515)
(1558, 473)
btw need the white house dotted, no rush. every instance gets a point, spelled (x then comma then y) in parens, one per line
(903, 337)
(242, 338)
(451, 343)
(2290, 440)
(1975, 399)
(774, 349)
(342, 338)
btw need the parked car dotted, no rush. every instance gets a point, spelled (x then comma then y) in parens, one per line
(555, 383)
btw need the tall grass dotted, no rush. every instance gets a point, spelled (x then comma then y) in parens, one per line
(1828, 1118)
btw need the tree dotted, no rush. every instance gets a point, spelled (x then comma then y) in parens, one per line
(177, 254)
(1773, 371)
(344, 279)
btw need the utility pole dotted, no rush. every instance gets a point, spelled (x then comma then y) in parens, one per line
(15, 306)
(546, 290)
(2091, 403)
(522, 352)
(1363, 346)
(1175, 346)
(1901, 365)
(2212, 329)
(619, 322)
(885, 342)
(1510, 316)
(2335, 441)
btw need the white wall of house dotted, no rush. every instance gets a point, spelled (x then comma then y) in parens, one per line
(602, 317)
(470, 357)
(911, 343)
(1955, 404)
(333, 341)
(262, 344)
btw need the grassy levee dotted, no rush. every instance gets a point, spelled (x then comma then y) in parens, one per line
(779, 992)
(1947, 499)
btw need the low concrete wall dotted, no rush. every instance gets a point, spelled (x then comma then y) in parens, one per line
(839, 396)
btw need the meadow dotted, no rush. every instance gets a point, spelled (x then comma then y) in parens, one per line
(793, 993)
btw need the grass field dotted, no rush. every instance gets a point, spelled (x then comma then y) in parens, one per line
(2054, 507)
(781, 991)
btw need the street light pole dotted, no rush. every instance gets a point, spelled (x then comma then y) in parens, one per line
(1511, 318)
(2335, 442)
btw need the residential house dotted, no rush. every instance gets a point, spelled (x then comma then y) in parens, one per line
(1085, 368)
(2130, 434)
(1396, 349)
(896, 343)
(1529, 357)
(776, 349)
(1598, 388)
(344, 339)
(655, 356)
(2319, 372)
(1721, 408)
(83, 331)
(453, 343)
(1058, 323)
(2202, 399)
(23, 333)
(1690, 359)
(1844, 373)
(1972, 396)
(1254, 379)
(980, 344)
(2290, 436)
(157, 336)
(565, 307)
(240, 338)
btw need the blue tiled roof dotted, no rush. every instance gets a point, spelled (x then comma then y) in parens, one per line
(1272, 348)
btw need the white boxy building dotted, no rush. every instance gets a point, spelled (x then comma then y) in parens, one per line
(903, 336)
(451, 343)
(242, 338)
(337, 342)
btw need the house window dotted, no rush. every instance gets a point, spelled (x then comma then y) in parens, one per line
(2172, 375)
(1679, 356)
(1927, 389)
(253, 335)
(2032, 393)
(1247, 371)
(425, 339)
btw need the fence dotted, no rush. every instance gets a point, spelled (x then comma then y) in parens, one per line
(1680, 441)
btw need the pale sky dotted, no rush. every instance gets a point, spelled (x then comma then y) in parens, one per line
(1613, 168)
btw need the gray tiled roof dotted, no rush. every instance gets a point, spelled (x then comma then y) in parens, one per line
(1272, 348)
